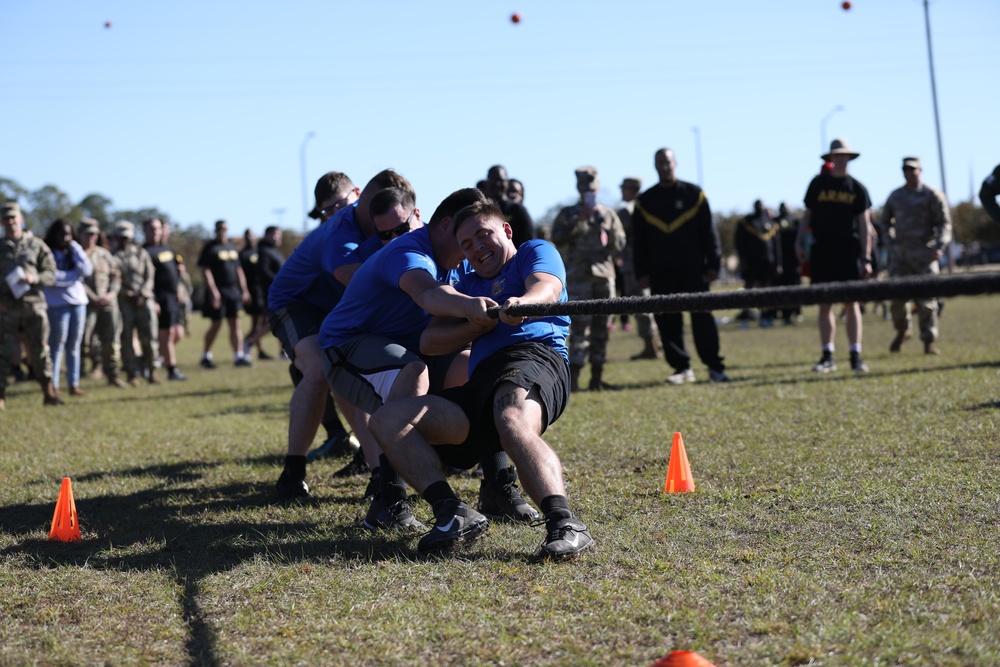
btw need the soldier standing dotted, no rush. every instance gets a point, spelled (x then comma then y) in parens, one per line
(26, 264)
(104, 322)
(989, 192)
(916, 225)
(590, 237)
(759, 249)
(791, 271)
(630, 188)
(677, 249)
(135, 300)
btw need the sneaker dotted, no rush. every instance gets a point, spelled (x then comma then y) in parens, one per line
(680, 377)
(565, 537)
(176, 375)
(247, 346)
(337, 446)
(264, 356)
(931, 348)
(243, 362)
(207, 363)
(356, 466)
(857, 365)
(383, 516)
(826, 364)
(456, 522)
(500, 499)
(717, 376)
(292, 489)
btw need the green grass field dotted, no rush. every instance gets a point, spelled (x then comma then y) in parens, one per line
(838, 520)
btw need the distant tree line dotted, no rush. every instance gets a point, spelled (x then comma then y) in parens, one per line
(41, 207)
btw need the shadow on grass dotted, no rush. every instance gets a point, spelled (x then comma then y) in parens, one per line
(182, 526)
(808, 376)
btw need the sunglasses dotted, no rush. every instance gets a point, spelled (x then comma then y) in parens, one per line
(334, 207)
(398, 230)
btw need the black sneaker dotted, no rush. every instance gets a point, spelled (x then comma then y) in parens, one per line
(264, 356)
(456, 522)
(356, 466)
(565, 537)
(337, 446)
(826, 364)
(383, 516)
(372, 488)
(243, 362)
(500, 499)
(857, 365)
(292, 489)
(207, 363)
(176, 375)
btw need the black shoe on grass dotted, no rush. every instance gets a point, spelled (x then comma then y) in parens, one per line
(500, 499)
(292, 489)
(565, 537)
(397, 516)
(456, 522)
(335, 447)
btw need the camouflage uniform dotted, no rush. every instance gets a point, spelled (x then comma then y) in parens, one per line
(104, 324)
(916, 224)
(589, 248)
(644, 321)
(28, 314)
(135, 300)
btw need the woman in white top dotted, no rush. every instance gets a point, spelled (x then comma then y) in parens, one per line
(67, 302)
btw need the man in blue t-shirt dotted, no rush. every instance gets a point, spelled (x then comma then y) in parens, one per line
(519, 383)
(302, 294)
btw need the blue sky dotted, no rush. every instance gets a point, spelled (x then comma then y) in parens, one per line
(202, 108)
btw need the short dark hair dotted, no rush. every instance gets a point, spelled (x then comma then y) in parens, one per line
(485, 208)
(390, 178)
(270, 230)
(388, 199)
(455, 202)
(329, 184)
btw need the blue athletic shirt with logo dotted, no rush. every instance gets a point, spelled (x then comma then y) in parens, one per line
(535, 256)
(374, 303)
(307, 275)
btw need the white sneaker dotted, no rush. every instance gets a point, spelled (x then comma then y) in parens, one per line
(681, 377)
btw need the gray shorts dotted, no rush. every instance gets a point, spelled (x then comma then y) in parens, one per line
(363, 369)
(293, 323)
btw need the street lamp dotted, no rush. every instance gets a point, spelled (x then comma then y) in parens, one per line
(937, 120)
(305, 188)
(697, 154)
(822, 127)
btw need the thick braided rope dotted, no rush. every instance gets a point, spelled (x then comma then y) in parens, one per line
(915, 287)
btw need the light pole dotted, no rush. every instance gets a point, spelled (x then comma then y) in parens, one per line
(305, 189)
(697, 154)
(937, 120)
(822, 127)
(280, 212)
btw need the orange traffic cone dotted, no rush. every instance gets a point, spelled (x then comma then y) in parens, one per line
(682, 659)
(65, 524)
(679, 478)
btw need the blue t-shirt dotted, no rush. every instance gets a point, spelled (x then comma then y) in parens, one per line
(374, 303)
(535, 256)
(307, 275)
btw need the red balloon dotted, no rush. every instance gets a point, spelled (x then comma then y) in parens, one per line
(515, 17)
(846, 5)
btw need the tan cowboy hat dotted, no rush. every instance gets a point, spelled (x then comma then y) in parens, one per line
(839, 147)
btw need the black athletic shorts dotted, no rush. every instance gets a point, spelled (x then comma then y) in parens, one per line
(232, 304)
(170, 310)
(526, 365)
(834, 263)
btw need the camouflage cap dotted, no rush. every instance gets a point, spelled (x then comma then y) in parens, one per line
(10, 209)
(125, 229)
(586, 179)
(913, 162)
(631, 182)
(88, 226)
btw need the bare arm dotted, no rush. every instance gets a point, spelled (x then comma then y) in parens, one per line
(443, 300)
(445, 335)
(541, 288)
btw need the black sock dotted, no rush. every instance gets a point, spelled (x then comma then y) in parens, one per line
(295, 466)
(438, 492)
(391, 485)
(555, 507)
(493, 465)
